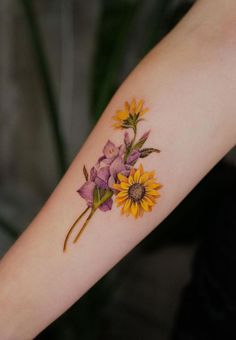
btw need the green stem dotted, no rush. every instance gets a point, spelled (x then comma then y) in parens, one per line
(84, 225)
(104, 198)
(134, 138)
(72, 228)
(107, 195)
(132, 143)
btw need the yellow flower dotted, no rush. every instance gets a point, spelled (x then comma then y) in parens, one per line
(129, 115)
(137, 193)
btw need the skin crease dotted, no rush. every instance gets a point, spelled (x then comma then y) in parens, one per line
(188, 83)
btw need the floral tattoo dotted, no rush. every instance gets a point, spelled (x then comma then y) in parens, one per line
(115, 175)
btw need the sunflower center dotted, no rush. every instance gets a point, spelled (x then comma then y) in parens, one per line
(136, 192)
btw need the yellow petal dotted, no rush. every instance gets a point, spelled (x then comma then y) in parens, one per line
(122, 178)
(136, 176)
(132, 172)
(152, 192)
(127, 213)
(151, 198)
(138, 209)
(149, 201)
(133, 106)
(144, 178)
(127, 107)
(130, 180)
(143, 111)
(119, 203)
(151, 184)
(144, 205)
(134, 209)
(151, 174)
(141, 168)
(124, 185)
(122, 194)
(126, 205)
(141, 211)
(117, 186)
(122, 115)
(139, 106)
(117, 126)
(116, 118)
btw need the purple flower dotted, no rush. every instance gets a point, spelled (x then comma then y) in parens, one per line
(133, 157)
(117, 166)
(110, 151)
(86, 192)
(121, 150)
(106, 205)
(98, 179)
(111, 181)
(102, 177)
(93, 174)
(127, 139)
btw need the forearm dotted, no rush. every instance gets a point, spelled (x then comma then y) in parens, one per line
(188, 83)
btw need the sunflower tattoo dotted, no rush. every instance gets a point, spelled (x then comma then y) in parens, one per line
(114, 175)
(137, 193)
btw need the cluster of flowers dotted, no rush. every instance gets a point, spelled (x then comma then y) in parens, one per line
(115, 173)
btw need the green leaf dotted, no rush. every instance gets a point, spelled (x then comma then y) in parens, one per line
(96, 196)
(147, 151)
(141, 141)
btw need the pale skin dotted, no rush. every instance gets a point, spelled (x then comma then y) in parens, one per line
(189, 84)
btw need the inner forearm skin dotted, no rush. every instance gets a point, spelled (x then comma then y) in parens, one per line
(188, 83)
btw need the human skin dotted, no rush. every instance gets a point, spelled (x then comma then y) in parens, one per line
(188, 83)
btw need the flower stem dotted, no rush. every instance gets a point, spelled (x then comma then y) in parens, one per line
(72, 228)
(135, 133)
(84, 225)
(128, 151)
(96, 205)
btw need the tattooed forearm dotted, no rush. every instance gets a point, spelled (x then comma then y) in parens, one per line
(116, 174)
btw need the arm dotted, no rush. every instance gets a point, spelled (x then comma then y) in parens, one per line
(188, 82)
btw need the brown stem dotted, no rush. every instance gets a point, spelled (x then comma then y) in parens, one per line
(84, 225)
(72, 227)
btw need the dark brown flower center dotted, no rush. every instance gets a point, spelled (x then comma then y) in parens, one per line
(136, 192)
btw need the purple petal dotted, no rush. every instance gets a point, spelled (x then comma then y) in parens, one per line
(108, 161)
(126, 172)
(106, 205)
(132, 158)
(100, 159)
(100, 183)
(116, 166)
(127, 139)
(93, 174)
(121, 150)
(102, 177)
(111, 181)
(110, 150)
(104, 173)
(86, 192)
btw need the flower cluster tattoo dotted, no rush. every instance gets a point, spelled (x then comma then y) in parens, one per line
(115, 175)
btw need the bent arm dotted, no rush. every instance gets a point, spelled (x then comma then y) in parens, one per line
(188, 83)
